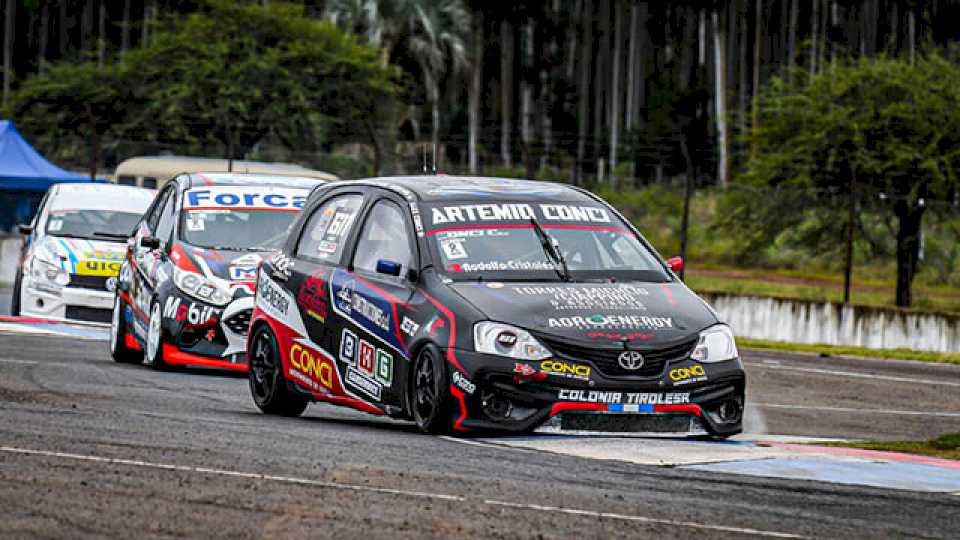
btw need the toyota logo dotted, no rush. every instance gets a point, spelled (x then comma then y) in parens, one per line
(631, 360)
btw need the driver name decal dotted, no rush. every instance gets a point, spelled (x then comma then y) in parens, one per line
(518, 212)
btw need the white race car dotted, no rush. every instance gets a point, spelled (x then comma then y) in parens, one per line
(74, 249)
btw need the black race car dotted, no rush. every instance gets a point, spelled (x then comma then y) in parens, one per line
(185, 291)
(474, 304)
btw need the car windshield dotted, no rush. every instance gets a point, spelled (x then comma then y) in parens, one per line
(92, 224)
(237, 230)
(514, 241)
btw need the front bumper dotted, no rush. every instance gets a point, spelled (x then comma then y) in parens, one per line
(215, 338)
(66, 304)
(519, 396)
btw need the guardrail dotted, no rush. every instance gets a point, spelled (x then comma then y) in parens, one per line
(797, 321)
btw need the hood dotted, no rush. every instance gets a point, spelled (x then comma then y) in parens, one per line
(235, 268)
(85, 257)
(647, 314)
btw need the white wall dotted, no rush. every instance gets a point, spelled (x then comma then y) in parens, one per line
(9, 257)
(833, 324)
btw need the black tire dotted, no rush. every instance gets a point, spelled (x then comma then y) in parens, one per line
(430, 401)
(118, 335)
(15, 300)
(153, 351)
(268, 387)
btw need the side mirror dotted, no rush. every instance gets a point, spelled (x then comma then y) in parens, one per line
(675, 264)
(23, 228)
(149, 242)
(390, 268)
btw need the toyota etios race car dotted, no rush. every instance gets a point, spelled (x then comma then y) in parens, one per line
(470, 304)
(74, 251)
(186, 289)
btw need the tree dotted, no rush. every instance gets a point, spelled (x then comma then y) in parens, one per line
(226, 77)
(72, 104)
(883, 128)
(434, 33)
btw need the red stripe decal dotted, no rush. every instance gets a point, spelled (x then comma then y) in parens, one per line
(175, 357)
(564, 406)
(452, 339)
(525, 226)
(266, 209)
(137, 311)
(206, 180)
(690, 408)
(666, 291)
(131, 342)
(458, 424)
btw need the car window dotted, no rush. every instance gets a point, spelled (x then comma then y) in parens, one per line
(329, 227)
(165, 225)
(384, 237)
(153, 216)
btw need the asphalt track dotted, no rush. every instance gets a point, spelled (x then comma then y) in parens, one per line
(90, 448)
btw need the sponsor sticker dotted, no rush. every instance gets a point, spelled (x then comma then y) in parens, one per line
(568, 370)
(408, 326)
(326, 247)
(312, 297)
(622, 297)
(631, 398)
(598, 321)
(453, 248)
(361, 382)
(463, 383)
(93, 267)
(272, 297)
(55, 225)
(192, 313)
(348, 347)
(227, 197)
(311, 367)
(687, 375)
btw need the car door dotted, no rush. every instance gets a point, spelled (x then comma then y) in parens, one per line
(373, 298)
(146, 261)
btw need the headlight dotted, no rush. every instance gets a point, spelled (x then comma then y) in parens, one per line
(200, 288)
(716, 345)
(47, 273)
(505, 340)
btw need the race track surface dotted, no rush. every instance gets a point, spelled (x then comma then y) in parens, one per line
(90, 448)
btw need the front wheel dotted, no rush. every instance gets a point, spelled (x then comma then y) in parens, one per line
(430, 393)
(15, 301)
(154, 349)
(267, 384)
(118, 335)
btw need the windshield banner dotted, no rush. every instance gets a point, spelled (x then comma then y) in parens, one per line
(244, 198)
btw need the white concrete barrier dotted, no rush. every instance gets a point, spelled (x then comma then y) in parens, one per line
(9, 257)
(798, 321)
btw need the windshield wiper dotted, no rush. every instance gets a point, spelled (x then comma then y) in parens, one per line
(552, 249)
(111, 235)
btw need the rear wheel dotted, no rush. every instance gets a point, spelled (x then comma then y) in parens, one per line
(15, 301)
(118, 335)
(154, 349)
(267, 385)
(430, 393)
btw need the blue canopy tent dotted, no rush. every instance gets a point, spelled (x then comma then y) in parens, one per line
(25, 176)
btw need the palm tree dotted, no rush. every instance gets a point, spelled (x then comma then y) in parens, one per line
(435, 33)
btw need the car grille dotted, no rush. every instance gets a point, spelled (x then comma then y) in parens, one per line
(607, 360)
(83, 313)
(239, 323)
(97, 283)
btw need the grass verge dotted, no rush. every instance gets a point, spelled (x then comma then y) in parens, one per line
(835, 350)
(946, 446)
